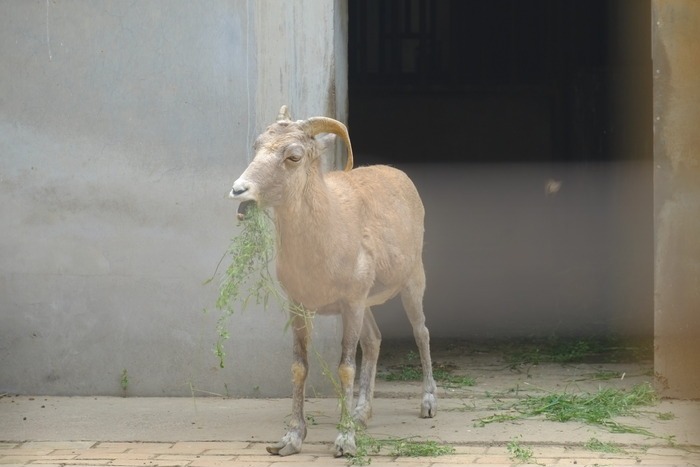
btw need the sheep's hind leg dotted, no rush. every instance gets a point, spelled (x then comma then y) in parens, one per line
(292, 441)
(370, 340)
(412, 299)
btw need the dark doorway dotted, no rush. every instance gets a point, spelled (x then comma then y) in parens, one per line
(481, 81)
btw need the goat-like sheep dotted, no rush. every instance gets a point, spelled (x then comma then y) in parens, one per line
(347, 240)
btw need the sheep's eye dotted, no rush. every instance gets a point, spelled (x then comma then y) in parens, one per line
(293, 153)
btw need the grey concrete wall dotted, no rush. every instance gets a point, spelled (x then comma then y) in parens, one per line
(122, 127)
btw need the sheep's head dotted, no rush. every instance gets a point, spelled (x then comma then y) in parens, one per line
(284, 155)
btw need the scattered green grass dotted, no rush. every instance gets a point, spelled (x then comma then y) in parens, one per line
(454, 381)
(442, 373)
(606, 375)
(665, 416)
(574, 350)
(396, 447)
(557, 350)
(124, 380)
(520, 453)
(404, 373)
(596, 445)
(595, 409)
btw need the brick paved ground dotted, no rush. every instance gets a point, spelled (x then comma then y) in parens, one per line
(217, 453)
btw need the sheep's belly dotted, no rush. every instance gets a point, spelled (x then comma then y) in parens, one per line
(380, 296)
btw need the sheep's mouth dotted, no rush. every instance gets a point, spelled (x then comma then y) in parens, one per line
(243, 209)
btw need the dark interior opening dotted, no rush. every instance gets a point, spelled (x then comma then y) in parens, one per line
(483, 81)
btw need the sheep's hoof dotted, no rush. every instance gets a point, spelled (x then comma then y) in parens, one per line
(428, 407)
(290, 444)
(345, 445)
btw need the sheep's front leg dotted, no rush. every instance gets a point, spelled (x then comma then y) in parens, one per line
(291, 442)
(352, 326)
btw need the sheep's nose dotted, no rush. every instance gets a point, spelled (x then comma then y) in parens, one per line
(238, 189)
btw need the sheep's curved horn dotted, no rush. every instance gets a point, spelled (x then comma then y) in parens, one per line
(316, 125)
(283, 114)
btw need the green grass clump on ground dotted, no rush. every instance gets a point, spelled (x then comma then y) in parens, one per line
(596, 409)
(574, 350)
(596, 445)
(395, 447)
(443, 373)
(519, 452)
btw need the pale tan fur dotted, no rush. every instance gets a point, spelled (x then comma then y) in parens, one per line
(347, 241)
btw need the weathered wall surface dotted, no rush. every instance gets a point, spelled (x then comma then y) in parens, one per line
(122, 127)
(676, 54)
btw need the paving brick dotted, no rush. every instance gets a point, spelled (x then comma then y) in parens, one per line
(216, 461)
(453, 459)
(234, 449)
(68, 452)
(81, 462)
(439, 464)
(470, 449)
(99, 455)
(151, 448)
(144, 462)
(111, 447)
(553, 451)
(402, 461)
(55, 459)
(497, 451)
(220, 461)
(184, 458)
(597, 461)
(132, 455)
(122, 447)
(16, 459)
(42, 465)
(495, 459)
(189, 447)
(669, 461)
(52, 445)
(300, 458)
(30, 452)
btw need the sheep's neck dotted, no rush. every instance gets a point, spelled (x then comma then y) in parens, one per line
(300, 221)
(305, 225)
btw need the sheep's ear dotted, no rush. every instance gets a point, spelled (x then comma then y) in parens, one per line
(283, 114)
(326, 142)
